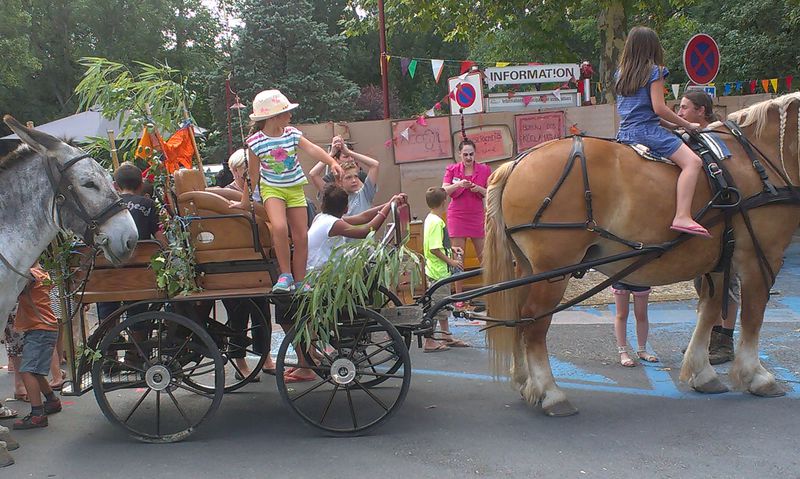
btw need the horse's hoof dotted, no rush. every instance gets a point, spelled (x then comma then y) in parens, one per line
(769, 390)
(715, 386)
(560, 409)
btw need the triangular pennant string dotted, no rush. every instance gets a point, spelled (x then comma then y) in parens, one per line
(557, 94)
(774, 83)
(752, 86)
(404, 134)
(789, 79)
(412, 68)
(404, 63)
(765, 85)
(437, 66)
(526, 100)
(676, 88)
(727, 89)
(466, 65)
(502, 64)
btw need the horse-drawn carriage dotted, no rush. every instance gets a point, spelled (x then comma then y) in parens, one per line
(159, 365)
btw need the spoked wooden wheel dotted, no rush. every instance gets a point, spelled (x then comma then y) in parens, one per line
(338, 401)
(140, 378)
(232, 344)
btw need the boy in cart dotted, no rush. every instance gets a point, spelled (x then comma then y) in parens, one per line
(36, 320)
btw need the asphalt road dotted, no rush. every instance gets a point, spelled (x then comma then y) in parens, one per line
(458, 422)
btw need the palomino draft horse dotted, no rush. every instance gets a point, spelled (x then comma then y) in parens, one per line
(48, 186)
(633, 199)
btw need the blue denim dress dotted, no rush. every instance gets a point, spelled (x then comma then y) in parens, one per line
(640, 124)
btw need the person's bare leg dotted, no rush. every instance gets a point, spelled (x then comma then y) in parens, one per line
(620, 328)
(690, 165)
(642, 326)
(459, 243)
(279, 228)
(19, 384)
(298, 225)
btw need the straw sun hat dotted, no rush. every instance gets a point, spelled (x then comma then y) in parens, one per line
(269, 103)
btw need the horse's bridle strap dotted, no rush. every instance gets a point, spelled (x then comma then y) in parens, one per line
(66, 194)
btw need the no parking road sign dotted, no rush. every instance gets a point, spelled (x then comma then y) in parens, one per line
(467, 93)
(701, 59)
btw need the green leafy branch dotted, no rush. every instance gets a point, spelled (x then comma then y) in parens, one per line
(349, 279)
(175, 267)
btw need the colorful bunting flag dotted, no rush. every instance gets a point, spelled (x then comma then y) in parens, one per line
(526, 100)
(774, 83)
(404, 63)
(388, 143)
(789, 79)
(404, 134)
(430, 112)
(466, 65)
(388, 57)
(765, 85)
(557, 94)
(412, 68)
(437, 66)
(511, 94)
(421, 121)
(752, 86)
(502, 64)
(727, 89)
(739, 86)
(676, 89)
(437, 106)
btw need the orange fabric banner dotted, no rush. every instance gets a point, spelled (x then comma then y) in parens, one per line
(179, 150)
(765, 85)
(148, 145)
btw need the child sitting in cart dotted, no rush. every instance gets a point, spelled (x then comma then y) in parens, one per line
(438, 261)
(36, 320)
(329, 230)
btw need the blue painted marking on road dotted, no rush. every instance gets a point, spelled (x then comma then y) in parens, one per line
(791, 302)
(567, 371)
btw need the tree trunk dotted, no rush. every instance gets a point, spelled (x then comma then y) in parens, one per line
(613, 25)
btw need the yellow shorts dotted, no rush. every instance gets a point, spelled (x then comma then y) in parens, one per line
(293, 196)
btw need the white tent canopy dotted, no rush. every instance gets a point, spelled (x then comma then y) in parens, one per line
(80, 126)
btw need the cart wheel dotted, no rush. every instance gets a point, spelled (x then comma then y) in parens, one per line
(386, 299)
(338, 401)
(233, 343)
(140, 375)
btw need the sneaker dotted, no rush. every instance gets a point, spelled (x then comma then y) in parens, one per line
(302, 287)
(284, 284)
(30, 422)
(52, 407)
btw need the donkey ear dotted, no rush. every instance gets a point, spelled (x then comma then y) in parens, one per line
(39, 141)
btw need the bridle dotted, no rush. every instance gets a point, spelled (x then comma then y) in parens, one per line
(64, 195)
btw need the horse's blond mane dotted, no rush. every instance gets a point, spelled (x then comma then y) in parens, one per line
(757, 115)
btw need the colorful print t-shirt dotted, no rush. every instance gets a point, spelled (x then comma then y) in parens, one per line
(278, 157)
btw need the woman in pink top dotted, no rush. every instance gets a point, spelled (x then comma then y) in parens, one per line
(465, 182)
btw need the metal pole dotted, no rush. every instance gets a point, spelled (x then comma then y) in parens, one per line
(384, 62)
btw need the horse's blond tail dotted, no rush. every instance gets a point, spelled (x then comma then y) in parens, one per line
(498, 265)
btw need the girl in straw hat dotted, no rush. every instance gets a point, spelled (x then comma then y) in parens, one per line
(272, 149)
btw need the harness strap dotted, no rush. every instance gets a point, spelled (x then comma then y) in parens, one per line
(748, 149)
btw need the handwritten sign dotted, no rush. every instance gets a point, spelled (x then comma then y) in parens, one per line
(422, 142)
(492, 142)
(537, 128)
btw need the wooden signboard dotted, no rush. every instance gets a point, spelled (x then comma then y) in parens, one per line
(536, 128)
(492, 142)
(422, 142)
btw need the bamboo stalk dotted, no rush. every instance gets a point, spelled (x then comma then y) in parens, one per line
(113, 143)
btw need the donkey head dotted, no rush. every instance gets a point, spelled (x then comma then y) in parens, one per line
(89, 205)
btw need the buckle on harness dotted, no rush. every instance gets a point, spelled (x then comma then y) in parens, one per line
(714, 169)
(591, 225)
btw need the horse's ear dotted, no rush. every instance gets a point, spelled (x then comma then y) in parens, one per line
(39, 141)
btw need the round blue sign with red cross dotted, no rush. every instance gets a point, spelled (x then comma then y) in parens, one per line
(465, 95)
(701, 59)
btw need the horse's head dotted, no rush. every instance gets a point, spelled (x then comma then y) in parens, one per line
(84, 194)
